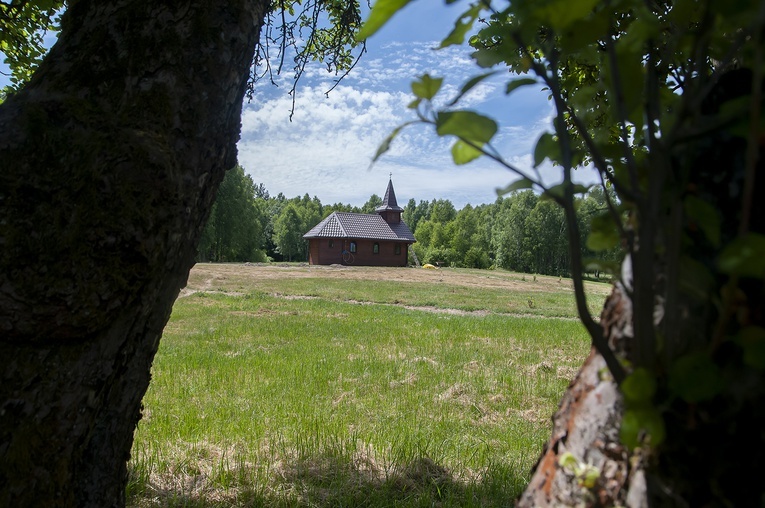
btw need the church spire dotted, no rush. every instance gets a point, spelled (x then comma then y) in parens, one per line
(390, 211)
(389, 201)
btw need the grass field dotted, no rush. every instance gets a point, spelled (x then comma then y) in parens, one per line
(290, 385)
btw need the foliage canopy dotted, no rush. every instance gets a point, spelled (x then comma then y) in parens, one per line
(306, 31)
(664, 100)
(23, 26)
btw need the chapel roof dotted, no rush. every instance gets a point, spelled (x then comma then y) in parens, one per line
(362, 226)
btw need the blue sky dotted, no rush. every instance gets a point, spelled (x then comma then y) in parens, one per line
(327, 148)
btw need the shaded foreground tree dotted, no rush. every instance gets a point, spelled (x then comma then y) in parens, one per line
(110, 158)
(664, 100)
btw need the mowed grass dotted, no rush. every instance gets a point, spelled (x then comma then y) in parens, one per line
(276, 387)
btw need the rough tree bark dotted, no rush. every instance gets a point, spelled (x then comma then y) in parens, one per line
(587, 426)
(713, 413)
(109, 162)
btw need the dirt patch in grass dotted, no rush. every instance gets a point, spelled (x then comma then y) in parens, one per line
(279, 281)
(427, 308)
(207, 276)
(262, 312)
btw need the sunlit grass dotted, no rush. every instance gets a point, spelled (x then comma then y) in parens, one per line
(260, 398)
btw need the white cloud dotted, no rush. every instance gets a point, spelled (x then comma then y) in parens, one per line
(327, 147)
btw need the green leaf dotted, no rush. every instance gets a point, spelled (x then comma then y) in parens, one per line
(46, 5)
(426, 87)
(593, 264)
(695, 377)
(558, 192)
(546, 148)
(696, 280)
(752, 341)
(585, 32)
(639, 387)
(629, 70)
(705, 217)
(523, 183)
(744, 256)
(517, 83)
(489, 57)
(604, 235)
(472, 82)
(589, 476)
(568, 461)
(639, 422)
(385, 145)
(684, 11)
(461, 26)
(381, 12)
(645, 27)
(563, 13)
(467, 125)
(462, 153)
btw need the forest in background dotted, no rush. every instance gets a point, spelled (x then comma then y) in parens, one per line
(521, 231)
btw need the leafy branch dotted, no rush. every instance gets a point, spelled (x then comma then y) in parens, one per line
(316, 30)
(23, 27)
(474, 133)
(611, 71)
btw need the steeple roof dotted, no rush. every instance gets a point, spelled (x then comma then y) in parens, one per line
(389, 201)
(360, 225)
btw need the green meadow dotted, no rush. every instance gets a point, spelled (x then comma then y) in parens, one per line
(297, 386)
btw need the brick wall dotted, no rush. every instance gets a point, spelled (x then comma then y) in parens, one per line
(320, 253)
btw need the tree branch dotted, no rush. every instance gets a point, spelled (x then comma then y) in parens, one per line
(752, 148)
(623, 118)
(594, 329)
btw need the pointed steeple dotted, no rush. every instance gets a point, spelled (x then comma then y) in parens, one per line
(390, 211)
(389, 201)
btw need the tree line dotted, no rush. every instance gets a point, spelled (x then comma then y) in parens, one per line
(521, 231)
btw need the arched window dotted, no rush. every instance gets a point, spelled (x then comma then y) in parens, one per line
(376, 248)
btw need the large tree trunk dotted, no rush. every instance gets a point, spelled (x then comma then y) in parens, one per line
(708, 361)
(586, 425)
(109, 162)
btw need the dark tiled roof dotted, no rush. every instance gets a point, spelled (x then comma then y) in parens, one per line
(389, 201)
(360, 225)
